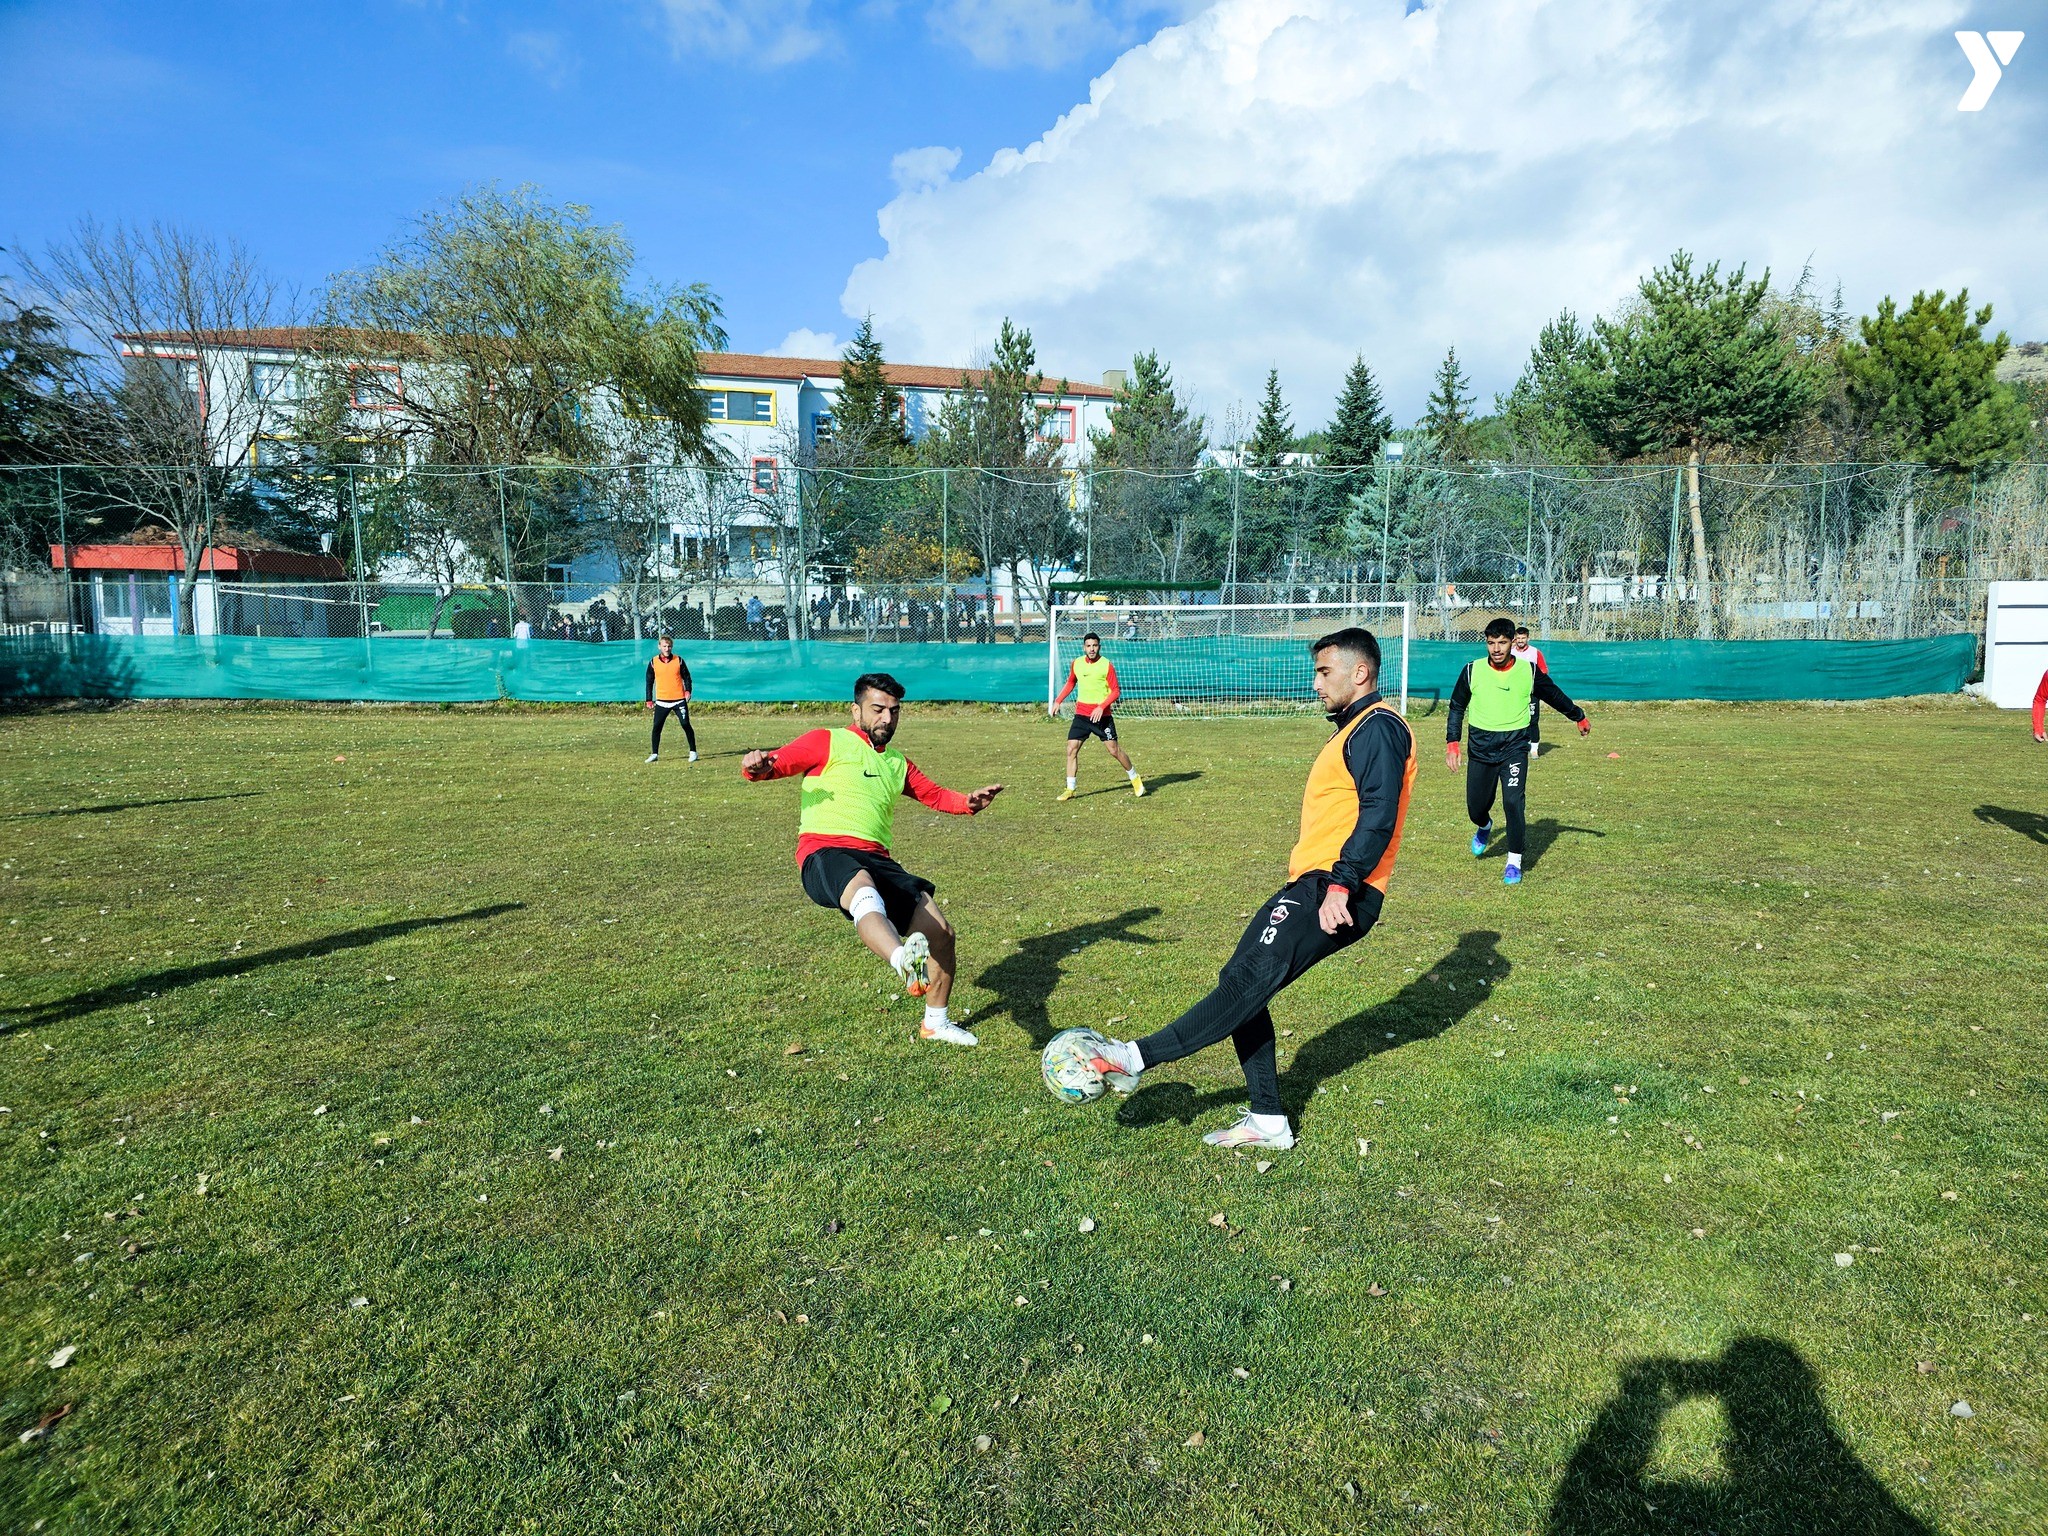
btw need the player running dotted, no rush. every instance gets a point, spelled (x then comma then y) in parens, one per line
(668, 693)
(1351, 816)
(852, 781)
(1501, 694)
(1091, 678)
(1524, 651)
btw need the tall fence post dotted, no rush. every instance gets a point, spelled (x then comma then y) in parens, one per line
(355, 519)
(945, 557)
(64, 546)
(505, 546)
(1230, 565)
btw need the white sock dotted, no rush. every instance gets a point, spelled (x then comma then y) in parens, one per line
(1514, 861)
(1131, 772)
(896, 959)
(1070, 781)
(935, 1015)
(1271, 1125)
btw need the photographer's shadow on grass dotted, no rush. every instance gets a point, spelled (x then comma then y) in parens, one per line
(1784, 1469)
(2029, 824)
(1023, 980)
(1438, 997)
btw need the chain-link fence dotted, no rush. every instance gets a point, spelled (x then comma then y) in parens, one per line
(976, 555)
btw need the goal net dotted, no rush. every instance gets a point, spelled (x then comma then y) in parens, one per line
(1201, 659)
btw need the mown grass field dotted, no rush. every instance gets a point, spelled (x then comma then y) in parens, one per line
(401, 1125)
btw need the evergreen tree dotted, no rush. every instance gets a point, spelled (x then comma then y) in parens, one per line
(1361, 423)
(1150, 426)
(1272, 436)
(1924, 384)
(1448, 418)
(868, 421)
(1539, 415)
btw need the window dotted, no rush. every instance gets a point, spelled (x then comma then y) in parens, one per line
(1059, 424)
(821, 427)
(753, 407)
(271, 451)
(373, 386)
(274, 381)
(763, 479)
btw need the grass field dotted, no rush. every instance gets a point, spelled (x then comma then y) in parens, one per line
(403, 1127)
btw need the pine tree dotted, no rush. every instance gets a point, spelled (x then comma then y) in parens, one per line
(1924, 384)
(868, 423)
(1272, 436)
(1361, 423)
(1540, 414)
(1150, 426)
(1448, 418)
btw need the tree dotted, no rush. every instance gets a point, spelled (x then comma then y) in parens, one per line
(1924, 385)
(1447, 420)
(1697, 365)
(869, 423)
(1361, 424)
(166, 417)
(1141, 487)
(1272, 436)
(1541, 415)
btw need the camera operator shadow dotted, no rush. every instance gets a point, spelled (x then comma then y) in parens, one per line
(1785, 1470)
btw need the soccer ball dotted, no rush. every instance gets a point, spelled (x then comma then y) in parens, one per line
(1068, 1066)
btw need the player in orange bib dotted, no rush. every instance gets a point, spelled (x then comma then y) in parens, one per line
(668, 693)
(1351, 816)
(1091, 679)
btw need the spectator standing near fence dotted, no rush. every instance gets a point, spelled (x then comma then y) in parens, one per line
(754, 618)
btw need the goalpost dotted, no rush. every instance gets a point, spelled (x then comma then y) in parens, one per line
(1207, 659)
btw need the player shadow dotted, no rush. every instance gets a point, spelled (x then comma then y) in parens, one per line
(131, 805)
(2029, 824)
(1152, 786)
(1537, 838)
(1023, 980)
(1426, 1007)
(171, 978)
(1784, 1468)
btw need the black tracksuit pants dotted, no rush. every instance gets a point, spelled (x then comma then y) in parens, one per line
(681, 710)
(1510, 778)
(1284, 940)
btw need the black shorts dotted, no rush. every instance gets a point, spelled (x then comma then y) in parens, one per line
(1083, 727)
(826, 872)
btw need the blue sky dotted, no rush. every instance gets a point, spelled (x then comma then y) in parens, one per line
(1241, 184)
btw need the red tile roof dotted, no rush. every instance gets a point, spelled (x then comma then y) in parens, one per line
(717, 365)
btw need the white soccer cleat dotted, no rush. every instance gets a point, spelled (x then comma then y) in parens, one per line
(1109, 1060)
(1246, 1134)
(693, 757)
(947, 1034)
(915, 966)
(654, 757)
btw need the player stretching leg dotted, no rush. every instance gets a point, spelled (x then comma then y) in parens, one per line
(668, 693)
(852, 781)
(1501, 694)
(1524, 651)
(1092, 681)
(1351, 815)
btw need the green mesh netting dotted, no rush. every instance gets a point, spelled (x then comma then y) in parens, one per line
(396, 669)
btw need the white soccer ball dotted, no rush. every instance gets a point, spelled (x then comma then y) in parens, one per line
(1068, 1066)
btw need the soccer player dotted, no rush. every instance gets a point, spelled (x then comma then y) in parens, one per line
(1351, 815)
(1500, 694)
(2041, 709)
(1091, 679)
(1524, 651)
(668, 693)
(853, 778)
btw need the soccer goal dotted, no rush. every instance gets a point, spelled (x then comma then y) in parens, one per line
(1205, 659)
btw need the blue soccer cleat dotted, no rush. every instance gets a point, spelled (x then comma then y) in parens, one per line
(1512, 875)
(1479, 840)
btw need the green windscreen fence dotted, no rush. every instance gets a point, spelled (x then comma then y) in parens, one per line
(399, 670)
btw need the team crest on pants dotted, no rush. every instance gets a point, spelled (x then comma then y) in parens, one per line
(1273, 921)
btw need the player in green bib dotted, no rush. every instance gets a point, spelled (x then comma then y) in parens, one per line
(1497, 698)
(1091, 679)
(853, 778)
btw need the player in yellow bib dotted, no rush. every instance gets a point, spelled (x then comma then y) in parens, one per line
(1091, 679)
(853, 778)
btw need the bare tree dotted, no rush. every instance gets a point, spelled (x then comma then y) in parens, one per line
(162, 408)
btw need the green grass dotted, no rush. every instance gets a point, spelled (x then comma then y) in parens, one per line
(478, 936)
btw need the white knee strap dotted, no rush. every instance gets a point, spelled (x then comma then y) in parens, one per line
(865, 900)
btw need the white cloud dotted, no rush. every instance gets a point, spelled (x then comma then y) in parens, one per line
(737, 29)
(914, 170)
(1278, 183)
(545, 54)
(1044, 32)
(803, 342)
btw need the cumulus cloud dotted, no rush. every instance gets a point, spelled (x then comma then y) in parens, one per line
(803, 342)
(735, 29)
(1288, 182)
(916, 169)
(1044, 32)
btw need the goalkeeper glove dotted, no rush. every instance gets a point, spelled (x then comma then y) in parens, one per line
(1451, 755)
(1585, 727)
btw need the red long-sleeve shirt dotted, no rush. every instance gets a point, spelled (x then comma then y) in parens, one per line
(1115, 689)
(2041, 705)
(807, 755)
